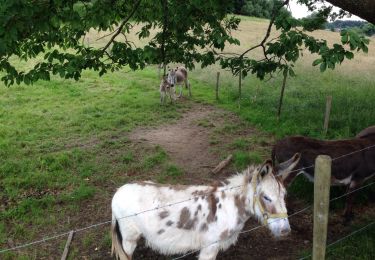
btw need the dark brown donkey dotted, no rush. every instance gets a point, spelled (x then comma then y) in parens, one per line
(351, 170)
(368, 133)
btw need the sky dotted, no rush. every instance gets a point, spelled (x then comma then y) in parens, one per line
(299, 11)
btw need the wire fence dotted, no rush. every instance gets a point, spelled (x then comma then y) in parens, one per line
(261, 226)
(52, 237)
(343, 238)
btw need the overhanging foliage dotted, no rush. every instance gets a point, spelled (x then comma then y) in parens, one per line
(186, 32)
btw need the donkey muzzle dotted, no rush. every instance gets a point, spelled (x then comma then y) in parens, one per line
(279, 227)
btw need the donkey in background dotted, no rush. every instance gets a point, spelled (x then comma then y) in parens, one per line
(210, 221)
(166, 89)
(179, 76)
(352, 170)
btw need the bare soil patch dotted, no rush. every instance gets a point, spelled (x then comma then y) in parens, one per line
(186, 142)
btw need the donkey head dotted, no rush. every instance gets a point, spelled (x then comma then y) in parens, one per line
(164, 85)
(171, 77)
(269, 198)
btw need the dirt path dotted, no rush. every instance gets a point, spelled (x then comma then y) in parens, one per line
(186, 142)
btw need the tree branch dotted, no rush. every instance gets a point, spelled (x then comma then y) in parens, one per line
(119, 29)
(164, 4)
(261, 44)
(364, 9)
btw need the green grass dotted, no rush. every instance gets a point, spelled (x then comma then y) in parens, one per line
(243, 159)
(62, 142)
(358, 246)
(304, 102)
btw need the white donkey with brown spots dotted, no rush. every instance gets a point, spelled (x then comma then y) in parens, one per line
(207, 219)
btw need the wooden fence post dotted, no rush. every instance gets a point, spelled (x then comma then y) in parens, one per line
(322, 183)
(327, 114)
(217, 85)
(66, 249)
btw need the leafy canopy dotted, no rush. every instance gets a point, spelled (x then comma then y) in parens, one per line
(281, 53)
(55, 29)
(186, 32)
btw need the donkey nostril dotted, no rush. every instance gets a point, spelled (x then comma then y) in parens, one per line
(285, 231)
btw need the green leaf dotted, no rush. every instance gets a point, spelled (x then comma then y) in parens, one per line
(344, 38)
(349, 55)
(317, 61)
(291, 72)
(365, 49)
(323, 66)
(353, 43)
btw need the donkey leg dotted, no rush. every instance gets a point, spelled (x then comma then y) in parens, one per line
(170, 96)
(188, 86)
(130, 236)
(129, 247)
(174, 95)
(348, 212)
(209, 253)
(180, 94)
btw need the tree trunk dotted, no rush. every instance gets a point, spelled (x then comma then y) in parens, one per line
(239, 86)
(165, 24)
(362, 8)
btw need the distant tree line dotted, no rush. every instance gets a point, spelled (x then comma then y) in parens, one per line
(256, 8)
(361, 27)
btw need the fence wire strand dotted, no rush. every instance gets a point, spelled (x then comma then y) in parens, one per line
(45, 239)
(343, 238)
(260, 226)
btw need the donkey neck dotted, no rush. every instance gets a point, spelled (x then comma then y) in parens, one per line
(240, 188)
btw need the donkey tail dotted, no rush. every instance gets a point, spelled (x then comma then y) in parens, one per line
(117, 249)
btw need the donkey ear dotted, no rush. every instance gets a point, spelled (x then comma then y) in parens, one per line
(266, 168)
(285, 168)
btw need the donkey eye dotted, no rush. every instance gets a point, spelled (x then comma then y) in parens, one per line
(267, 199)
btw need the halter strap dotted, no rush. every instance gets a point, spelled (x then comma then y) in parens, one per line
(256, 201)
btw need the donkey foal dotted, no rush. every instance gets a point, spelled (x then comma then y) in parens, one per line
(166, 89)
(210, 221)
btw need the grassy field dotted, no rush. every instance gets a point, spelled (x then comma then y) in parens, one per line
(62, 143)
